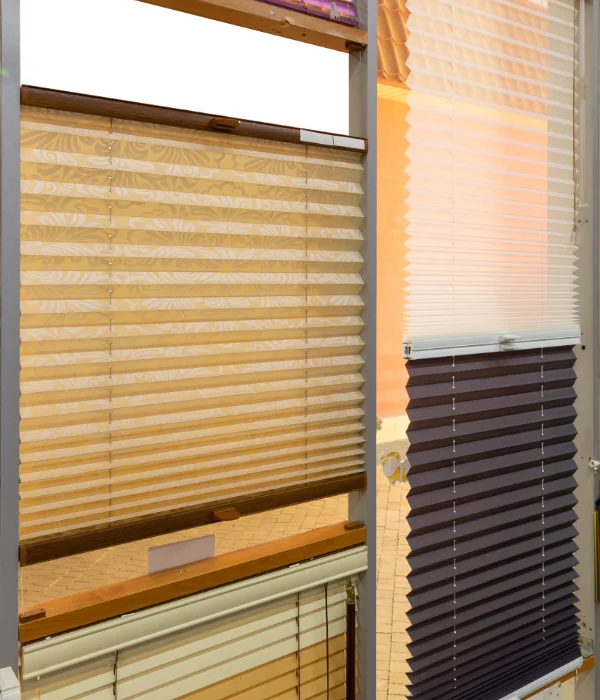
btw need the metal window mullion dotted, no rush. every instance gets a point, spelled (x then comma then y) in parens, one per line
(9, 331)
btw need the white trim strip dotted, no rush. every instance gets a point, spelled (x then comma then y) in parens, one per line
(72, 648)
(448, 347)
(349, 142)
(337, 140)
(316, 137)
(545, 680)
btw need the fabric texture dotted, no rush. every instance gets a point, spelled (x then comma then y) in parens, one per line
(191, 318)
(491, 191)
(492, 522)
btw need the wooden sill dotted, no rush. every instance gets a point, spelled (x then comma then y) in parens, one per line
(34, 551)
(257, 15)
(96, 605)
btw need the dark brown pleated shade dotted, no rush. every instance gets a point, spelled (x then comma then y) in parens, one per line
(492, 553)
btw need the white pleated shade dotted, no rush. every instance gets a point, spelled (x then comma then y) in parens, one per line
(491, 193)
(191, 318)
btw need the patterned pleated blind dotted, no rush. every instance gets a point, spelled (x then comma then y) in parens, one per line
(191, 318)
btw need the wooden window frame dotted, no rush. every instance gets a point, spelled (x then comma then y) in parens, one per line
(271, 19)
(116, 599)
(45, 98)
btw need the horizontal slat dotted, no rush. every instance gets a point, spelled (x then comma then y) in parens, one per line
(468, 489)
(470, 634)
(560, 567)
(483, 567)
(441, 556)
(189, 444)
(500, 608)
(275, 679)
(490, 386)
(98, 505)
(446, 475)
(162, 669)
(192, 416)
(208, 235)
(486, 365)
(280, 681)
(556, 658)
(549, 659)
(232, 427)
(470, 510)
(555, 629)
(520, 660)
(431, 414)
(512, 630)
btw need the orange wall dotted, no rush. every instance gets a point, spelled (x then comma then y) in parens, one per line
(391, 211)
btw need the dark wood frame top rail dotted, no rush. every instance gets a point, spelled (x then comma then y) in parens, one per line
(257, 15)
(35, 551)
(117, 599)
(33, 96)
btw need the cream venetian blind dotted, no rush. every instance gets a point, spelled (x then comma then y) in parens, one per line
(267, 652)
(491, 244)
(191, 318)
(288, 648)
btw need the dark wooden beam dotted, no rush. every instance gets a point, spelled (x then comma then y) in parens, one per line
(33, 96)
(262, 17)
(89, 607)
(38, 550)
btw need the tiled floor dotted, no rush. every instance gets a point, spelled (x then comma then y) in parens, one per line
(392, 587)
(63, 577)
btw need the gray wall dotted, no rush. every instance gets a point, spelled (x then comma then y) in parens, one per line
(363, 506)
(9, 332)
(587, 354)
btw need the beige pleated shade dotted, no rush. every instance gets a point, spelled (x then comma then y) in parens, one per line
(491, 191)
(191, 318)
(294, 647)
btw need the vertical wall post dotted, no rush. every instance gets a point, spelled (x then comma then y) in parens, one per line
(363, 506)
(587, 354)
(592, 144)
(9, 331)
